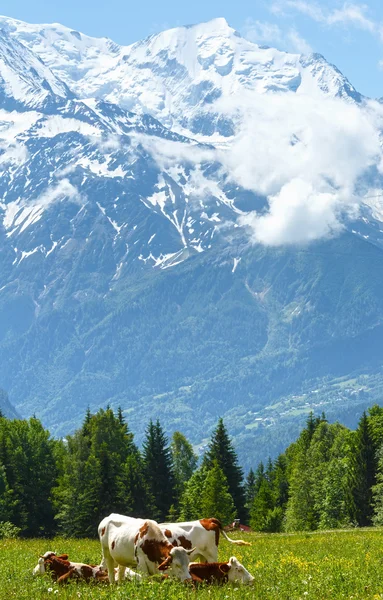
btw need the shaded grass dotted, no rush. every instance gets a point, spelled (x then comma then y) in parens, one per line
(328, 565)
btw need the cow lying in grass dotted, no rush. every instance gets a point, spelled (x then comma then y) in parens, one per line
(217, 572)
(62, 570)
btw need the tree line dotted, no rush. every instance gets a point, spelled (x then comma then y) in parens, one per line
(329, 477)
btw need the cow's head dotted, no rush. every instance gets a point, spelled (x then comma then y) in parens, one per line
(177, 563)
(44, 564)
(237, 573)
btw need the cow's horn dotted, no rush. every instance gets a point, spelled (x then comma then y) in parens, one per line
(190, 551)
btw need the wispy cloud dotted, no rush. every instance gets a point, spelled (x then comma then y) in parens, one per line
(262, 32)
(349, 14)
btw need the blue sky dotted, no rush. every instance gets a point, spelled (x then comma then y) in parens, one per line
(348, 34)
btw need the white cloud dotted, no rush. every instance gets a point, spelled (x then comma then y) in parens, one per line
(167, 153)
(262, 32)
(306, 156)
(63, 189)
(297, 43)
(349, 14)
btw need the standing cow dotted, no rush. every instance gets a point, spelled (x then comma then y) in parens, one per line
(202, 535)
(128, 542)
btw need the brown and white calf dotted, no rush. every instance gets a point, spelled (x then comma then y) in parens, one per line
(62, 569)
(44, 563)
(219, 572)
(128, 542)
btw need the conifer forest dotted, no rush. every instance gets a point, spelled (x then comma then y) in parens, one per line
(330, 477)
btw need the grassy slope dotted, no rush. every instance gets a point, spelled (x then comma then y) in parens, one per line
(341, 564)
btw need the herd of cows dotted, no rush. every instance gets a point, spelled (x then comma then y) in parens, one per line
(149, 546)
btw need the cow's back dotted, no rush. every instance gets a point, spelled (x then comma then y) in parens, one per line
(193, 534)
(117, 534)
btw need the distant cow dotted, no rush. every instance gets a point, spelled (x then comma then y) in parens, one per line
(203, 535)
(129, 542)
(219, 572)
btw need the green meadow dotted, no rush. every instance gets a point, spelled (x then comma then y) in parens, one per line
(334, 564)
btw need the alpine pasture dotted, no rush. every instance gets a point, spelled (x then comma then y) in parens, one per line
(327, 565)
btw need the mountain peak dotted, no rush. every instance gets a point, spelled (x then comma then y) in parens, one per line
(25, 81)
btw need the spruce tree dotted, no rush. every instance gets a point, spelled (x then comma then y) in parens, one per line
(216, 499)
(262, 506)
(377, 490)
(159, 469)
(184, 461)
(220, 449)
(190, 501)
(249, 491)
(363, 472)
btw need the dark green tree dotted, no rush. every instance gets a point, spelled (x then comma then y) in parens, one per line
(191, 499)
(159, 469)
(363, 473)
(220, 449)
(216, 499)
(184, 461)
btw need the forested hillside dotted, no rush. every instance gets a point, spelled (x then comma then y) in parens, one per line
(330, 477)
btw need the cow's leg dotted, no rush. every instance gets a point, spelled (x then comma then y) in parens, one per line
(110, 566)
(142, 566)
(121, 573)
(210, 556)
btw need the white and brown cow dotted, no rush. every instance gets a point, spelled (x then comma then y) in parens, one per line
(128, 542)
(203, 535)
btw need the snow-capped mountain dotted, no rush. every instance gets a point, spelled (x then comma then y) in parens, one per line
(25, 81)
(130, 178)
(177, 75)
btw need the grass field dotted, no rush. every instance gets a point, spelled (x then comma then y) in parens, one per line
(340, 564)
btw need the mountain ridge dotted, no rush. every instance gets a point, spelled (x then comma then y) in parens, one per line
(129, 272)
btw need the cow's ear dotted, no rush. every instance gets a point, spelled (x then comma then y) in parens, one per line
(190, 551)
(224, 568)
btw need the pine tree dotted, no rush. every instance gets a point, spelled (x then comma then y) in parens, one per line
(216, 499)
(220, 449)
(262, 506)
(159, 469)
(250, 491)
(191, 498)
(184, 461)
(280, 482)
(377, 490)
(300, 514)
(363, 473)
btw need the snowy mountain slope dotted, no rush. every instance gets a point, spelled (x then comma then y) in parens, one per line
(127, 271)
(56, 162)
(25, 82)
(177, 75)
